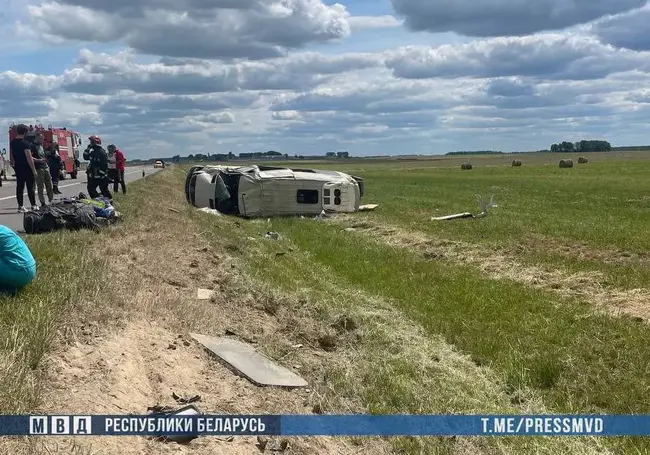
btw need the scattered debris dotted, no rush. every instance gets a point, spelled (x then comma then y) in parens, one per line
(210, 211)
(204, 294)
(273, 235)
(452, 217)
(516, 163)
(322, 215)
(582, 160)
(350, 229)
(566, 164)
(173, 210)
(184, 400)
(368, 207)
(185, 411)
(194, 264)
(255, 367)
(482, 205)
(280, 253)
(466, 166)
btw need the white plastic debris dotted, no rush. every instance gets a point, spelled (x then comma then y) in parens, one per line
(210, 211)
(482, 206)
(321, 216)
(204, 294)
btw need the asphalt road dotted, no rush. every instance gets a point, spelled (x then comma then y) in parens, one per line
(9, 215)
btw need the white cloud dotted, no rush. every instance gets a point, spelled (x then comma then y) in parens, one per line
(240, 75)
(358, 23)
(254, 29)
(555, 56)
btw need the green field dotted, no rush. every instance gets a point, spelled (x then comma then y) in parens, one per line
(563, 347)
(539, 307)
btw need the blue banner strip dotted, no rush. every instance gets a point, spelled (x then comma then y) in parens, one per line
(327, 425)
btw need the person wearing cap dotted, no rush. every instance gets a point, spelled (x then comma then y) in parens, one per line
(97, 168)
(23, 164)
(43, 177)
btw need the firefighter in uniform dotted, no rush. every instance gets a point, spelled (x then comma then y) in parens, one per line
(97, 168)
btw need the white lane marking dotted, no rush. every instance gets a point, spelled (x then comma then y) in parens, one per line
(64, 186)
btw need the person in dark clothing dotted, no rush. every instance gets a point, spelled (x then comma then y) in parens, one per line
(23, 164)
(43, 177)
(97, 168)
(54, 162)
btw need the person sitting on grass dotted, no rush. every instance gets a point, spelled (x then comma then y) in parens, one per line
(17, 265)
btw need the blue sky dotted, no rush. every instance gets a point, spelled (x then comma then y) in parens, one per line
(159, 77)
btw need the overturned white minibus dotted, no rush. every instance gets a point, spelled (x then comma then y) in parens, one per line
(260, 191)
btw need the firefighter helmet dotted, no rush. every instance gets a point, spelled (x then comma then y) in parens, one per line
(94, 139)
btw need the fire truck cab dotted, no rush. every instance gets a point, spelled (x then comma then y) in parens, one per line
(66, 141)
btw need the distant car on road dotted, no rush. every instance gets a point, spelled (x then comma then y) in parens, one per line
(159, 164)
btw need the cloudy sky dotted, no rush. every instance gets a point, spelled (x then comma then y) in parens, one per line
(374, 77)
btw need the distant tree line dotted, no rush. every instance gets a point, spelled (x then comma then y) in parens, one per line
(476, 152)
(271, 154)
(582, 146)
(337, 155)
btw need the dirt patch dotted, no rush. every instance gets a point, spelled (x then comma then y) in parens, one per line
(587, 286)
(142, 354)
(143, 365)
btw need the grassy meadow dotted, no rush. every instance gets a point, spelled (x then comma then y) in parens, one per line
(539, 307)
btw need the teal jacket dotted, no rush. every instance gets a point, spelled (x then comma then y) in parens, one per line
(17, 265)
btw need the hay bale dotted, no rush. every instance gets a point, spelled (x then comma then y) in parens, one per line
(466, 166)
(582, 160)
(566, 164)
(516, 163)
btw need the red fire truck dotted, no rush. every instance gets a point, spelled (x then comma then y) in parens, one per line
(68, 143)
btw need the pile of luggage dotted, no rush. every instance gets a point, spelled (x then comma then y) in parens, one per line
(72, 213)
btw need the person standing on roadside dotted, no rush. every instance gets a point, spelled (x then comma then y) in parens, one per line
(54, 163)
(3, 166)
(23, 164)
(120, 165)
(112, 165)
(43, 177)
(97, 168)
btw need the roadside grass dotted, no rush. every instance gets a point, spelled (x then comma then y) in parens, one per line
(381, 357)
(481, 345)
(66, 277)
(580, 361)
(72, 297)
